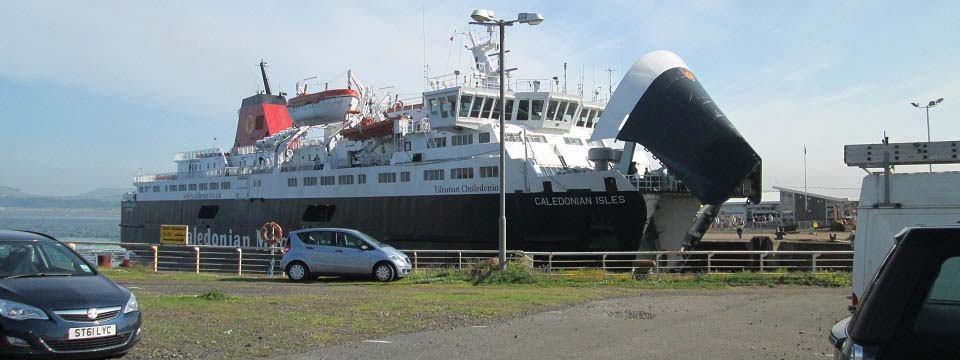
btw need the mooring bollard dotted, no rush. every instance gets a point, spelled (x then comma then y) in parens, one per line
(239, 262)
(155, 262)
(196, 250)
(813, 260)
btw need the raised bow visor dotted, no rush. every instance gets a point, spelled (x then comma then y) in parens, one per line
(662, 106)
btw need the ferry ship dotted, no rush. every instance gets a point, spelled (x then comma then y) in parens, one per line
(425, 175)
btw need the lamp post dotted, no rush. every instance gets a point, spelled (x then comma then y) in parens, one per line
(930, 104)
(489, 18)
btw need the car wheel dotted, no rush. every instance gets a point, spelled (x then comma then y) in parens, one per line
(298, 271)
(384, 272)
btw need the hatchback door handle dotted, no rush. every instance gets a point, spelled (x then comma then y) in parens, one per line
(310, 247)
(339, 251)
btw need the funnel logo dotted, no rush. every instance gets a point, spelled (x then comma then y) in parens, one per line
(687, 74)
(248, 123)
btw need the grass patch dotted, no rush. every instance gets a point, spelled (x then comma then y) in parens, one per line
(253, 317)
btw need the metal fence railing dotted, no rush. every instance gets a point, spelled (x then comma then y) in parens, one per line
(266, 261)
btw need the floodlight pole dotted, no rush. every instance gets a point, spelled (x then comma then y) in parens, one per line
(502, 248)
(927, 108)
(485, 17)
(928, 133)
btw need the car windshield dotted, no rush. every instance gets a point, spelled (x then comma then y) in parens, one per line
(35, 258)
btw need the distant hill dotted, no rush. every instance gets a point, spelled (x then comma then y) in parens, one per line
(105, 198)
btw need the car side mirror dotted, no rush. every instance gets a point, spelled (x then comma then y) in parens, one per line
(364, 247)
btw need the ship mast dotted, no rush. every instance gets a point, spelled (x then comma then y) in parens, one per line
(263, 72)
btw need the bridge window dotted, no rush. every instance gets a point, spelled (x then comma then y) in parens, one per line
(202, 186)
(593, 116)
(214, 186)
(327, 180)
(584, 114)
(434, 107)
(404, 176)
(536, 110)
(495, 114)
(156, 189)
(523, 110)
(483, 138)
(449, 107)
(571, 112)
(310, 181)
(477, 105)
(465, 105)
(509, 110)
(224, 186)
(182, 187)
(292, 182)
(345, 179)
(361, 178)
(487, 106)
(552, 110)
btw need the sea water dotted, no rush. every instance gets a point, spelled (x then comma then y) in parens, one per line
(87, 225)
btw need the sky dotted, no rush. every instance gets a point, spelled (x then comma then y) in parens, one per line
(91, 93)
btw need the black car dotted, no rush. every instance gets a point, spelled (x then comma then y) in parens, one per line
(56, 305)
(912, 308)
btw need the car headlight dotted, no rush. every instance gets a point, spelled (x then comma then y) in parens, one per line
(396, 257)
(17, 311)
(132, 304)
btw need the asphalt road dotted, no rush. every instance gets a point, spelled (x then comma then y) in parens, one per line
(766, 323)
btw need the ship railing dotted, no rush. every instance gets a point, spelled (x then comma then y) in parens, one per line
(249, 260)
(196, 154)
(155, 177)
(657, 183)
(229, 171)
(244, 150)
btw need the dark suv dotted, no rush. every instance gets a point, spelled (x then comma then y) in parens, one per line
(56, 305)
(912, 308)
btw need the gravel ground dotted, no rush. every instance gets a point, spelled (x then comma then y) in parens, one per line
(751, 323)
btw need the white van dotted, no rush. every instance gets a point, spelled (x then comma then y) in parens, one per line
(912, 199)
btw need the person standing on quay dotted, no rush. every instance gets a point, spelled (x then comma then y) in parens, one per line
(740, 229)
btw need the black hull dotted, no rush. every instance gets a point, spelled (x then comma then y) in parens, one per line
(594, 221)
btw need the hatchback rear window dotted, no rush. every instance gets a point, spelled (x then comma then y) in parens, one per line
(940, 311)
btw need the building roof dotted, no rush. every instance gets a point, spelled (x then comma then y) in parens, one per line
(767, 197)
(831, 198)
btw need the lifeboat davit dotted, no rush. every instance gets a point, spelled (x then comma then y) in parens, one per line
(324, 107)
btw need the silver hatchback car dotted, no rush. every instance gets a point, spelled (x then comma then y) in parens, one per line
(334, 251)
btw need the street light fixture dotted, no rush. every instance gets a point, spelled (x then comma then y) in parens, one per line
(489, 18)
(930, 104)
